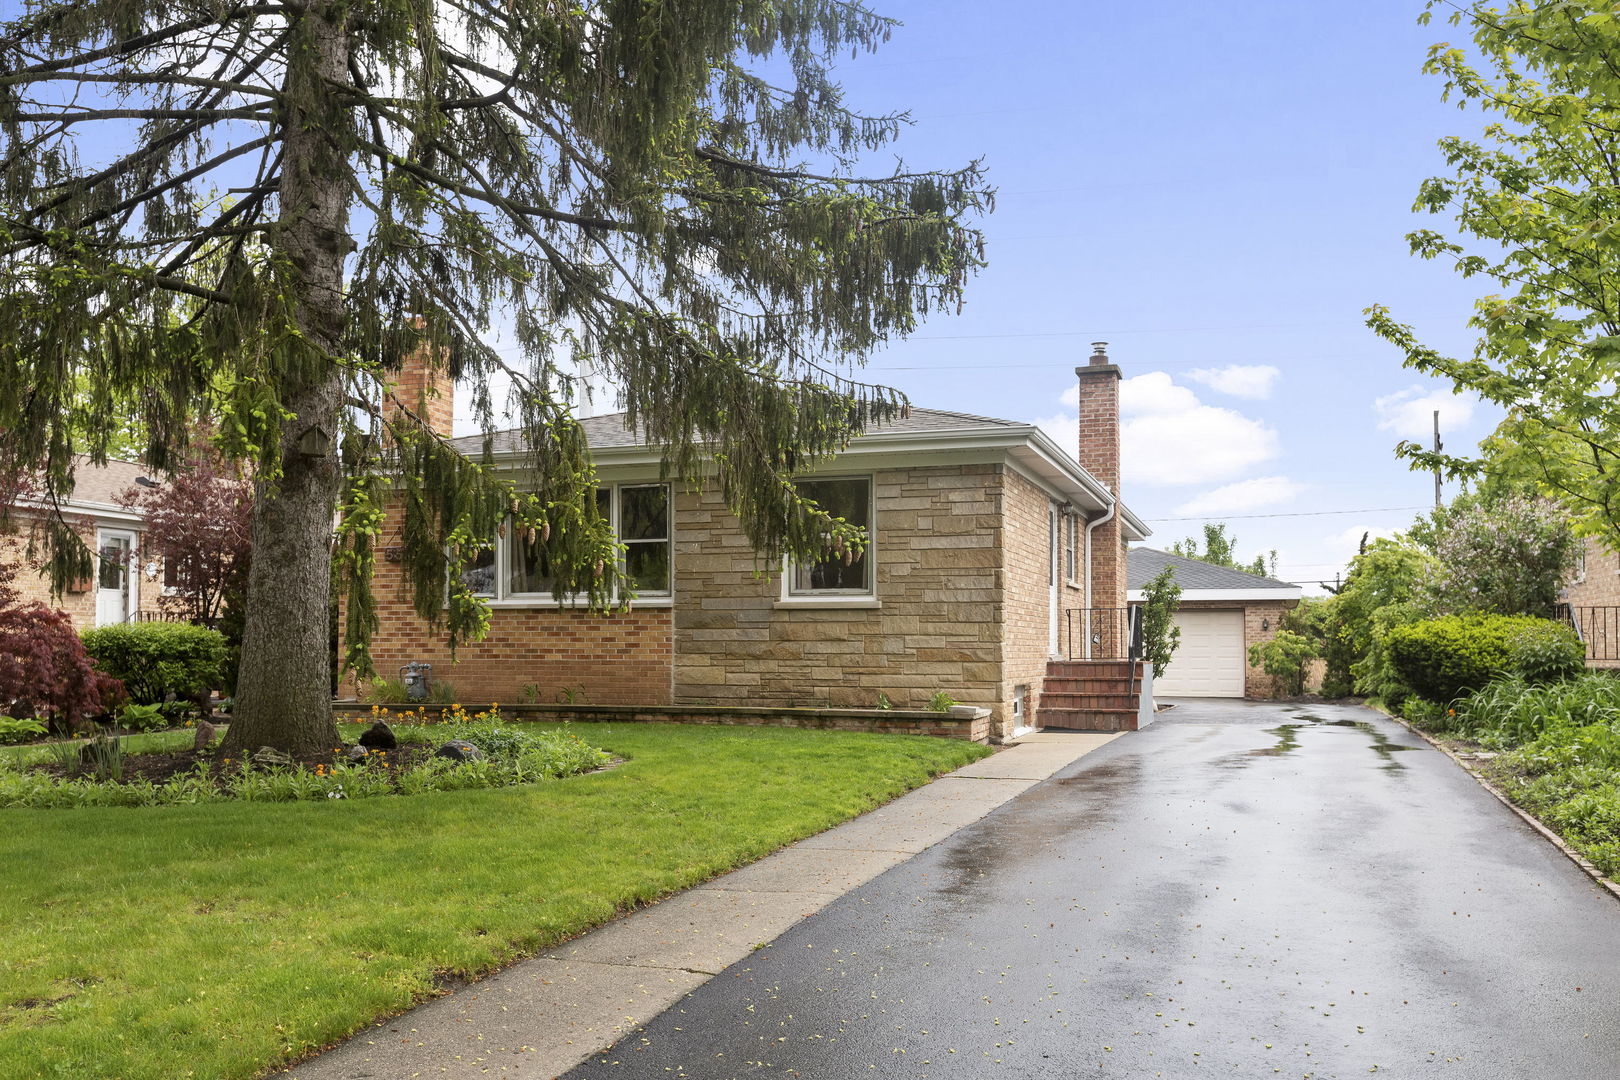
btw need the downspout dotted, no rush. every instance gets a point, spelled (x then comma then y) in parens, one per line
(1091, 526)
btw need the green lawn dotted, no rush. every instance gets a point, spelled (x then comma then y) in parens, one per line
(218, 940)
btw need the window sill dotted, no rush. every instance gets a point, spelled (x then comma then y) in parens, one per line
(870, 603)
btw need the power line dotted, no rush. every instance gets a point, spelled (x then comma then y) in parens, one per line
(1298, 513)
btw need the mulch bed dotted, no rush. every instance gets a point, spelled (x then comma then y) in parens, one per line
(159, 767)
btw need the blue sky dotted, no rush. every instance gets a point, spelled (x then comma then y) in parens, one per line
(1206, 187)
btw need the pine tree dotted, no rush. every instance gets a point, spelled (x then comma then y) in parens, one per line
(250, 212)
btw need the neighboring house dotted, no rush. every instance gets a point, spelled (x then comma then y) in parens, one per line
(990, 544)
(119, 591)
(1222, 612)
(1591, 603)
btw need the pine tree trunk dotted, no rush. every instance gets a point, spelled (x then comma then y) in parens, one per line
(283, 689)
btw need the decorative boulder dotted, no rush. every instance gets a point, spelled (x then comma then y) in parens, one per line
(269, 755)
(459, 750)
(379, 736)
(357, 753)
(205, 736)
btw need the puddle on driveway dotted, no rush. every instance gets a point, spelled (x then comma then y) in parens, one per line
(1288, 741)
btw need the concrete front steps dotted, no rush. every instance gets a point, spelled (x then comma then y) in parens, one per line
(1091, 695)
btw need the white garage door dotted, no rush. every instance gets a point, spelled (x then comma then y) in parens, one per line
(1209, 661)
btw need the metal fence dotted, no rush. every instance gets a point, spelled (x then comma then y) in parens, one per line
(1598, 627)
(1102, 633)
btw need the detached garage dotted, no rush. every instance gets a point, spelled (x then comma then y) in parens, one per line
(1222, 612)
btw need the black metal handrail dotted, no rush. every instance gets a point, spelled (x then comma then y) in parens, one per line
(1102, 633)
(1597, 625)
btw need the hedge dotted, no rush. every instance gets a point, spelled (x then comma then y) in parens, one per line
(1443, 659)
(155, 660)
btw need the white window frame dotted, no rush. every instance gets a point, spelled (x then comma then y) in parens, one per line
(501, 598)
(850, 598)
(1072, 565)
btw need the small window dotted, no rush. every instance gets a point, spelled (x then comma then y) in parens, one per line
(850, 499)
(1074, 547)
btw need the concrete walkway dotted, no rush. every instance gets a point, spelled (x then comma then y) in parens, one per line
(541, 1017)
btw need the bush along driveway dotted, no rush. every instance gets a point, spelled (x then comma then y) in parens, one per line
(219, 940)
(1242, 889)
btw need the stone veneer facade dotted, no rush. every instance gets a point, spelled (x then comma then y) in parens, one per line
(962, 591)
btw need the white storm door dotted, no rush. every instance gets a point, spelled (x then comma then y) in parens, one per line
(1209, 662)
(115, 589)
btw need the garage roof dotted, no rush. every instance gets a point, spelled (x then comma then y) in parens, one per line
(1202, 578)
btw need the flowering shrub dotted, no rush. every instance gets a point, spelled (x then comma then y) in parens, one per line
(1507, 557)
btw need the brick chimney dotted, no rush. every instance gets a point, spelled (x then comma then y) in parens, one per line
(1099, 456)
(425, 387)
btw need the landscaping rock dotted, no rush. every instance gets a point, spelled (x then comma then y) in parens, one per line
(379, 736)
(269, 755)
(357, 753)
(205, 736)
(459, 750)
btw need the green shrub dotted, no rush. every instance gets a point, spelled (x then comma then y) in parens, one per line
(1286, 658)
(143, 718)
(155, 660)
(383, 691)
(1511, 711)
(16, 729)
(1548, 653)
(1442, 659)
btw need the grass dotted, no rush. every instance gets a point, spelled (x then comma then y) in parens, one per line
(220, 940)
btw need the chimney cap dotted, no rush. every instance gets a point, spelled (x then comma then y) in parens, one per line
(1099, 352)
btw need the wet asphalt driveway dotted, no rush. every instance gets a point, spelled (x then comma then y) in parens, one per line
(1242, 890)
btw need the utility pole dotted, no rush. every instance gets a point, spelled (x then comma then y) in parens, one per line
(1437, 445)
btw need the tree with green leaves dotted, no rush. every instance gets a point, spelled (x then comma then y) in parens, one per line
(1221, 550)
(1536, 205)
(252, 212)
(1160, 634)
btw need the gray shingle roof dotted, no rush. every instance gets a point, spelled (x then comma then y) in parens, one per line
(609, 431)
(104, 483)
(1144, 564)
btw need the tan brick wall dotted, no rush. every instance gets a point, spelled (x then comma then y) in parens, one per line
(1598, 586)
(618, 659)
(1026, 553)
(80, 606)
(1256, 683)
(938, 539)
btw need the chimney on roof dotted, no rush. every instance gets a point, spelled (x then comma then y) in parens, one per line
(424, 385)
(1099, 455)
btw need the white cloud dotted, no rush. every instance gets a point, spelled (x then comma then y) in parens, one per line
(1410, 413)
(1244, 495)
(1168, 436)
(1240, 380)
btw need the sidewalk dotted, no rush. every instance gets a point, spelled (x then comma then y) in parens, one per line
(542, 1016)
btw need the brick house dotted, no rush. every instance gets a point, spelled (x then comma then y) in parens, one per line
(1221, 613)
(121, 590)
(1591, 603)
(993, 552)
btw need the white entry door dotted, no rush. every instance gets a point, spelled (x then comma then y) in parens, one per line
(1209, 661)
(115, 586)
